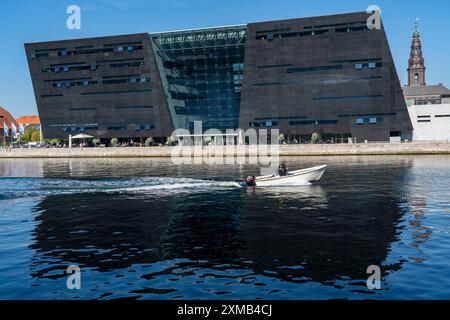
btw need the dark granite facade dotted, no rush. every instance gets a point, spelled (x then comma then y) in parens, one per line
(330, 75)
(106, 87)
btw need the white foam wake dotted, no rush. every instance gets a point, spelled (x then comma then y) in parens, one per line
(168, 184)
(12, 188)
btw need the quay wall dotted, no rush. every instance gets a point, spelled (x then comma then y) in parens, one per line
(284, 150)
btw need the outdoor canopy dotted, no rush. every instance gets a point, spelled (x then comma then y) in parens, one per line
(79, 136)
(82, 136)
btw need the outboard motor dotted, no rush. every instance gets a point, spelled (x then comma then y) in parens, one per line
(251, 181)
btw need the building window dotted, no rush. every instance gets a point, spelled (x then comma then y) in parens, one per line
(238, 67)
(127, 64)
(70, 68)
(370, 120)
(83, 109)
(115, 92)
(311, 122)
(69, 84)
(144, 127)
(369, 65)
(40, 55)
(313, 69)
(349, 97)
(133, 107)
(129, 80)
(257, 124)
(117, 128)
(427, 101)
(80, 129)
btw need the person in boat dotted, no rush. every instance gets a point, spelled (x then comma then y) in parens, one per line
(251, 181)
(282, 170)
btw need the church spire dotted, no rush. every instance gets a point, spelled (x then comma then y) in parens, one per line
(416, 27)
(416, 63)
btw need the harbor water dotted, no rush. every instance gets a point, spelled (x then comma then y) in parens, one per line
(150, 229)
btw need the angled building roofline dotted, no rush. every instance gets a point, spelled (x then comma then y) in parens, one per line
(200, 29)
(213, 28)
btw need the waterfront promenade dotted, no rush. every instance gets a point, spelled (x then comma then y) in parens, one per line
(284, 150)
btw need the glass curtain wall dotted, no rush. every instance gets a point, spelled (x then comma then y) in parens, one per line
(202, 74)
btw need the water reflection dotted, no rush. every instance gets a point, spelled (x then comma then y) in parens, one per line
(315, 196)
(323, 233)
(147, 228)
(21, 168)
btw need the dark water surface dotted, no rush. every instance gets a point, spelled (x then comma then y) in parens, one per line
(148, 229)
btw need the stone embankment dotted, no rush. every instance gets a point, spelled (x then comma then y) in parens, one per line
(284, 150)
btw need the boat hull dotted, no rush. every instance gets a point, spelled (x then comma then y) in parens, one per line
(294, 178)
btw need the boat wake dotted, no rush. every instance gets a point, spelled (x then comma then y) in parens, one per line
(180, 184)
(15, 188)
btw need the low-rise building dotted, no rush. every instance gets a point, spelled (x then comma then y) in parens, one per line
(29, 122)
(7, 125)
(426, 95)
(430, 122)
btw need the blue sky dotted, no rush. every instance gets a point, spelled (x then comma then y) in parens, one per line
(24, 21)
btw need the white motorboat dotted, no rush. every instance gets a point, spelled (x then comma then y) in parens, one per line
(292, 178)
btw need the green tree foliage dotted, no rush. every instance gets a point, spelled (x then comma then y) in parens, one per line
(96, 142)
(36, 136)
(114, 142)
(30, 135)
(315, 137)
(54, 142)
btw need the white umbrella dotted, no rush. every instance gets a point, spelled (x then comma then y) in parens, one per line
(79, 136)
(82, 136)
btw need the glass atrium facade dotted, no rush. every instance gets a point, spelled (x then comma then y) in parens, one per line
(202, 74)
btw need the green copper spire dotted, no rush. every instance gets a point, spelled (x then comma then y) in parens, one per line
(416, 27)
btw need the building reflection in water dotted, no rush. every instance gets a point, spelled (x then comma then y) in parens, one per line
(320, 233)
(21, 168)
(419, 199)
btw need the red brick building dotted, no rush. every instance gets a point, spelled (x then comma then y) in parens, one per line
(8, 119)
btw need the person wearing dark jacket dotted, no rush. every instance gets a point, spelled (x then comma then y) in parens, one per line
(282, 170)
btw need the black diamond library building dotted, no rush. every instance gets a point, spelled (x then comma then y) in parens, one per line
(330, 75)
